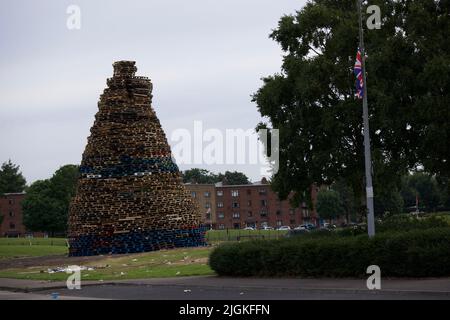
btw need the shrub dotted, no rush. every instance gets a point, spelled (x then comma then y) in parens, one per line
(408, 222)
(416, 253)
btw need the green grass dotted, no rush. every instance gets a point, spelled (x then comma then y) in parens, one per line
(33, 241)
(31, 247)
(19, 251)
(165, 263)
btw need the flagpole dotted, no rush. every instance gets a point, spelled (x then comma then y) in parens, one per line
(367, 153)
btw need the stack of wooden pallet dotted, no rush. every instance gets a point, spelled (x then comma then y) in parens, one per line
(130, 196)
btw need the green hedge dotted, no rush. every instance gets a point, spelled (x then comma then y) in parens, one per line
(416, 253)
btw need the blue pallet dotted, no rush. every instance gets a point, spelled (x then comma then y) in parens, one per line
(129, 166)
(137, 241)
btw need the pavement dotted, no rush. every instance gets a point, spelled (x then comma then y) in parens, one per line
(220, 288)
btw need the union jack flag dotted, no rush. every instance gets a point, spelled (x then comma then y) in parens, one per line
(359, 76)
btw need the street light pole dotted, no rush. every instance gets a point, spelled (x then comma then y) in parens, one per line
(367, 153)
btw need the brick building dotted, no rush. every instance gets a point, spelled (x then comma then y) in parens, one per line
(204, 196)
(11, 211)
(256, 205)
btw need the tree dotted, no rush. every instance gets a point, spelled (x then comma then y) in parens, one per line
(425, 187)
(311, 101)
(329, 205)
(347, 198)
(11, 179)
(196, 175)
(388, 201)
(46, 203)
(233, 178)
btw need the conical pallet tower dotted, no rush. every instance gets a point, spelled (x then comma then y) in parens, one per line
(130, 196)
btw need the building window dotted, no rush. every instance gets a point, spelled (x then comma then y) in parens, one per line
(221, 226)
(207, 194)
(263, 213)
(219, 204)
(249, 213)
(235, 205)
(12, 226)
(249, 191)
(262, 191)
(305, 213)
(11, 201)
(207, 205)
(236, 215)
(291, 211)
(249, 203)
(292, 222)
(11, 214)
(219, 193)
(263, 203)
(278, 212)
(236, 225)
(235, 193)
(220, 215)
(208, 216)
(193, 194)
(279, 223)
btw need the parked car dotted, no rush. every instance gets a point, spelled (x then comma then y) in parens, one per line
(327, 225)
(266, 228)
(284, 228)
(249, 228)
(310, 226)
(301, 227)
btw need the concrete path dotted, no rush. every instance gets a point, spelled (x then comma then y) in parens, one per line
(213, 287)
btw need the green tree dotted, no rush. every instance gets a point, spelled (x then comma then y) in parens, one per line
(197, 175)
(329, 205)
(347, 198)
(11, 179)
(388, 201)
(233, 178)
(46, 203)
(425, 187)
(311, 101)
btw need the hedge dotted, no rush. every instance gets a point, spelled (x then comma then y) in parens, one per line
(415, 253)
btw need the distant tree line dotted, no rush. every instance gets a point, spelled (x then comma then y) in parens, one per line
(204, 176)
(428, 191)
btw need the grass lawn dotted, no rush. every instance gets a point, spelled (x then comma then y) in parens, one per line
(33, 241)
(31, 247)
(165, 263)
(20, 251)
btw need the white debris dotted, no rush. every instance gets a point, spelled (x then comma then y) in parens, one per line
(69, 270)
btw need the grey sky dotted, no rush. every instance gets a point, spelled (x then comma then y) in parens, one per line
(204, 57)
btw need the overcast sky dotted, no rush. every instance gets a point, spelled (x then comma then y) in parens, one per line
(204, 57)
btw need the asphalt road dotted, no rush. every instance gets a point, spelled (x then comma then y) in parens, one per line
(167, 292)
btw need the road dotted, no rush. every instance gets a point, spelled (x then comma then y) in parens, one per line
(150, 292)
(221, 288)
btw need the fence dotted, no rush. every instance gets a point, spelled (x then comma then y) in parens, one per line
(241, 235)
(33, 242)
